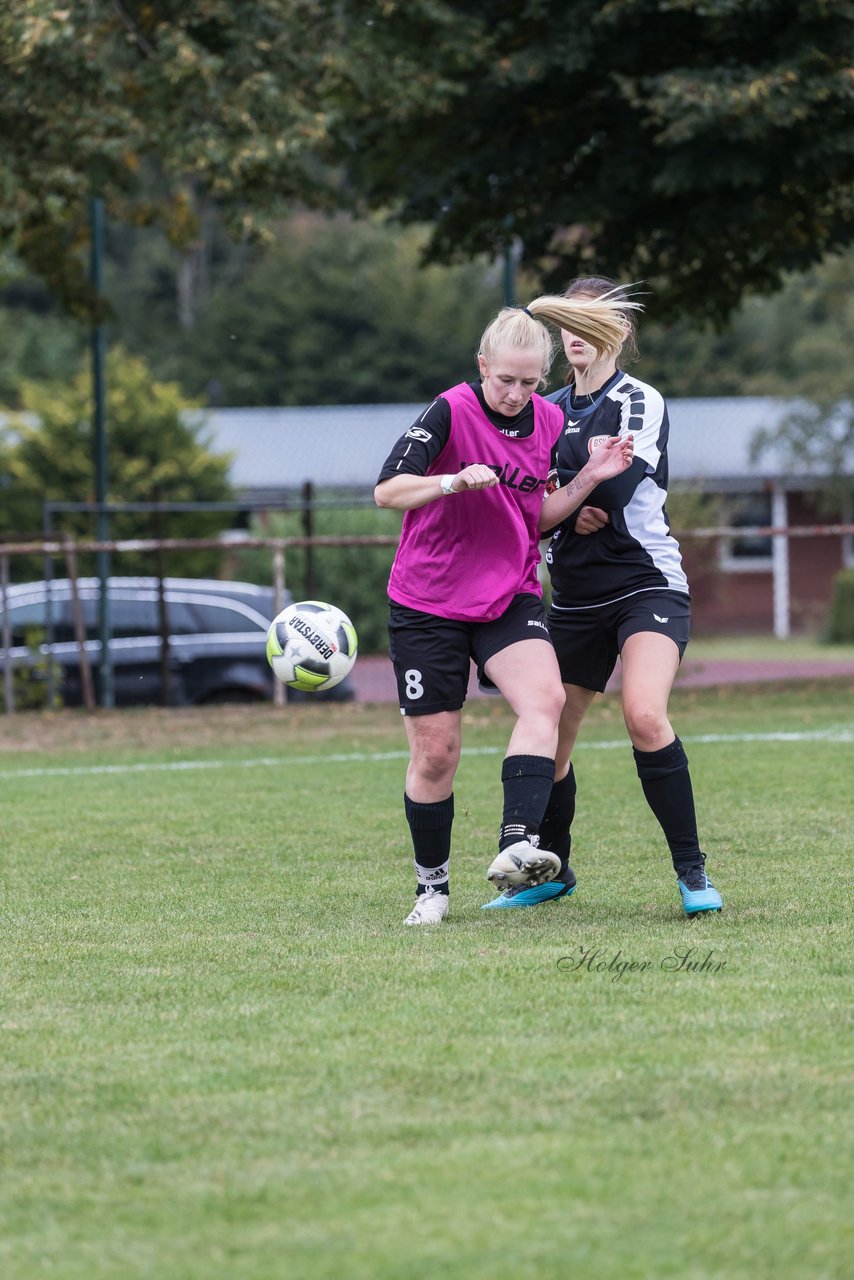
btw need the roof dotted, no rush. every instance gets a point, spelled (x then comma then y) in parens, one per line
(345, 445)
(277, 450)
(711, 439)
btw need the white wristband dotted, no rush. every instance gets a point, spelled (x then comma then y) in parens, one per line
(446, 484)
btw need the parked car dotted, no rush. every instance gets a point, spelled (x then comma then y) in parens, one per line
(217, 639)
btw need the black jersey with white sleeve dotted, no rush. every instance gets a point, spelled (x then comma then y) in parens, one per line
(635, 551)
(420, 445)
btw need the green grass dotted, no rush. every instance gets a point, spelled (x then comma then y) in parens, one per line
(223, 1057)
(765, 648)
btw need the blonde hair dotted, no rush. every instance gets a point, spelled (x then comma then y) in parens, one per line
(599, 321)
(515, 329)
(604, 287)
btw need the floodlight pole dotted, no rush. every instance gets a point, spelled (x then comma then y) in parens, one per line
(99, 442)
(509, 277)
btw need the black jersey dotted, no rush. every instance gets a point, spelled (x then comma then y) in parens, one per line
(635, 551)
(420, 446)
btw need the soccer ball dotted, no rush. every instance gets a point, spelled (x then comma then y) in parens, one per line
(311, 645)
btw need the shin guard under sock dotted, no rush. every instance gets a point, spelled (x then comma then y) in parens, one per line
(667, 786)
(555, 834)
(430, 828)
(527, 786)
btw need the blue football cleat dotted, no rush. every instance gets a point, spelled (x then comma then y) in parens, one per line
(698, 892)
(520, 896)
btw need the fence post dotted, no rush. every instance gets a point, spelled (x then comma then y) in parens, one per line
(780, 564)
(79, 628)
(8, 674)
(48, 611)
(278, 597)
(162, 608)
(308, 532)
(99, 447)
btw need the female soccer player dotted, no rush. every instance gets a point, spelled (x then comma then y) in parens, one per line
(470, 475)
(618, 588)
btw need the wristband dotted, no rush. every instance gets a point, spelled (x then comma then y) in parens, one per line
(446, 484)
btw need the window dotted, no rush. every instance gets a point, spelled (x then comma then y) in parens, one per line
(141, 617)
(134, 617)
(215, 618)
(751, 553)
(24, 619)
(29, 620)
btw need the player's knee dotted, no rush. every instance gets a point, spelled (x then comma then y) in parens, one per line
(648, 727)
(435, 770)
(542, 714)
(557, 702)
(435, 759)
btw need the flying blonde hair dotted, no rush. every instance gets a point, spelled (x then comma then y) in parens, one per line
(601, 322)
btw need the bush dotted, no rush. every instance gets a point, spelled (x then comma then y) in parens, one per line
(30, 681)
(840, 629)
(156, 454)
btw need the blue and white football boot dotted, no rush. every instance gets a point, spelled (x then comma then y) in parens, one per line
(698, 892)
(521, 865)
(532, 895)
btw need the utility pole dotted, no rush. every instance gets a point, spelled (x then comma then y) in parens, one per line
(99, 444)
(512, 256)
(509, 277)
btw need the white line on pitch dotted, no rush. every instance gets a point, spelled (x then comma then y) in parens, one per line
(839, 734)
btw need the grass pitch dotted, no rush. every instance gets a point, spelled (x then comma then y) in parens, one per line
(223, 1057)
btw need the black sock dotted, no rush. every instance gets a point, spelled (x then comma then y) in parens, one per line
(527, 785)
(555, 834)
(667, 786)
(430, 827)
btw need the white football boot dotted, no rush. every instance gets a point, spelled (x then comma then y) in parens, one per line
(430, 908)
(523, 864)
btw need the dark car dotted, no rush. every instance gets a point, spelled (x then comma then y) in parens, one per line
(217, 639)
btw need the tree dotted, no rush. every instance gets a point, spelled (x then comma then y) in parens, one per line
(155, 455)
(335, 312)
(705, 148)
(794, 343)
(145, 105)
(817, 439)
(35, 346)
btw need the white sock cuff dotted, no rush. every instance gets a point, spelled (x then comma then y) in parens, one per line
(432, 875)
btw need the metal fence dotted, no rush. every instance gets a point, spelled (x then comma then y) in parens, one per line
(68, 551)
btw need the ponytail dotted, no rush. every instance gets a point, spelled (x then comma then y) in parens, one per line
(599, 321)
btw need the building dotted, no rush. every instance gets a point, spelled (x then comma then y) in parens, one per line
(748, 582)
(772, 569)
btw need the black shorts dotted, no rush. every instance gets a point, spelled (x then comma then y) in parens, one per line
(432, 656)
(589, 641)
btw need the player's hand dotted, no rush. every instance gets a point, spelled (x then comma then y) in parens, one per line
(590, 520)
(611, 457)
(477, 476)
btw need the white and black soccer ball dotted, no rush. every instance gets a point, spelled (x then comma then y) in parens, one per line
(311, 645)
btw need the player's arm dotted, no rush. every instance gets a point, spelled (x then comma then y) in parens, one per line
(403, 481)
(645, 419)
(647, 423)
(616, 493)
(611, 458)
(405, 493)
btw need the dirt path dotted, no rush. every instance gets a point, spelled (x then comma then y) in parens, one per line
(373, 678)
